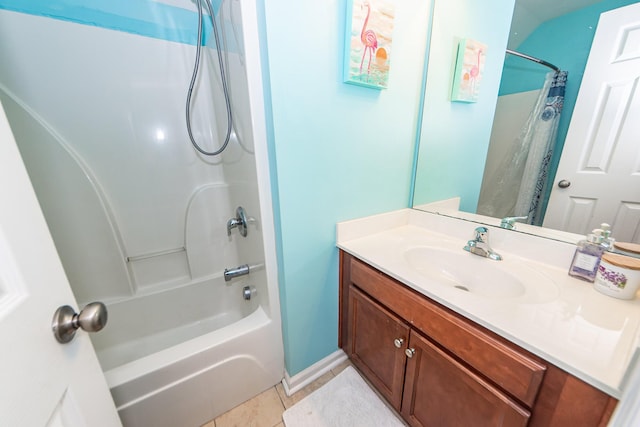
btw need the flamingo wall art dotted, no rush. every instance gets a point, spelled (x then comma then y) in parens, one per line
(368, 43)
(469, 70)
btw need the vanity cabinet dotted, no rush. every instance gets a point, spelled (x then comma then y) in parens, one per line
(440, 391)
(437, 368)
(377, 347)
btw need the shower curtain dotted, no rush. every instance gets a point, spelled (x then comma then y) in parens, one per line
(519, 183)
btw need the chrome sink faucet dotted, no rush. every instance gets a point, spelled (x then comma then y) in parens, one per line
(510, 222)
(479, 245)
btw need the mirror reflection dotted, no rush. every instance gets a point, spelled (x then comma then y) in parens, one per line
(532, 146)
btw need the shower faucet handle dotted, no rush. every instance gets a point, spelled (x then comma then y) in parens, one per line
(239, 222)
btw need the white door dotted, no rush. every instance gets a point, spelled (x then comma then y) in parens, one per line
(42, 382)
(601, 157)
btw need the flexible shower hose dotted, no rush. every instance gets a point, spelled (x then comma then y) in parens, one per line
(223, 78)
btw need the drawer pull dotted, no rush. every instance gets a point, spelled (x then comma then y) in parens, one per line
(398, 342)
(410, 352)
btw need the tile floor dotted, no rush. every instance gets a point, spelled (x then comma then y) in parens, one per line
(265, 410)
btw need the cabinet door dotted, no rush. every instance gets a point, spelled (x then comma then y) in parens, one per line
(372, 345)
(441, 392)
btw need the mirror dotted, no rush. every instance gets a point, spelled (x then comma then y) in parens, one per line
(455, 137)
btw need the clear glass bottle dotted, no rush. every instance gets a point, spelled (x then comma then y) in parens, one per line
(587, 258)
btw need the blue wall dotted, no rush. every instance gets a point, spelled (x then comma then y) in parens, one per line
(340, 152)
(564, 42)
(455, 136)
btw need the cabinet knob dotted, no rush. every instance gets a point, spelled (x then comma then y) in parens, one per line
(410, 352)
(398, 342)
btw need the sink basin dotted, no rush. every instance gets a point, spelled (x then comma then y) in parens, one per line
(509, 279)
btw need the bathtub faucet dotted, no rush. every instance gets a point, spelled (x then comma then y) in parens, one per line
(239, 222)
(230, 273)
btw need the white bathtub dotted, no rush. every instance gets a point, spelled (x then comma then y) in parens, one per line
(198, 351)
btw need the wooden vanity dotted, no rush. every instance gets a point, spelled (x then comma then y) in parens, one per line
(437, 368)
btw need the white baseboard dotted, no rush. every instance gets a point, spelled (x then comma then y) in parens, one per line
(313, 372)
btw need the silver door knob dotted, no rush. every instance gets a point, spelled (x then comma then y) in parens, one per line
(564, 183)
(66, 321)
(398, 342)
(410, 352)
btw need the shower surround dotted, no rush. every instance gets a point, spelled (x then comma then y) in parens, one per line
(96, 101)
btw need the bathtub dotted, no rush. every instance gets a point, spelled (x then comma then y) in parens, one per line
(198, 351)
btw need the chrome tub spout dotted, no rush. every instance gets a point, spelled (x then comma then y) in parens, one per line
(230, 273)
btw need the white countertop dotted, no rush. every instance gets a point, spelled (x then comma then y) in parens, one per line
(568, 323)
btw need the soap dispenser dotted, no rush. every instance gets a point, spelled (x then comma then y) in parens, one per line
(587, 257)
(607, 240)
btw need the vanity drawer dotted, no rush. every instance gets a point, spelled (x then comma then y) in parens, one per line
(506, 365)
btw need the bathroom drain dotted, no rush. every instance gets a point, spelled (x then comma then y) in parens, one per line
(462, 288)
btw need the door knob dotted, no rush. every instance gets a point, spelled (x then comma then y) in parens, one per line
(410, 352)
(398, 342)
(92, 318)
(564, 183)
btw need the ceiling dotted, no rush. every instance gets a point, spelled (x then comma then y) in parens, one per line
(529, 14)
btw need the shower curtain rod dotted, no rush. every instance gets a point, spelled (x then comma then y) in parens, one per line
(531, 58)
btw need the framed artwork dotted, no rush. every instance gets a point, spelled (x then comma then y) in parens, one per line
(469, 71)
(368, 40)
